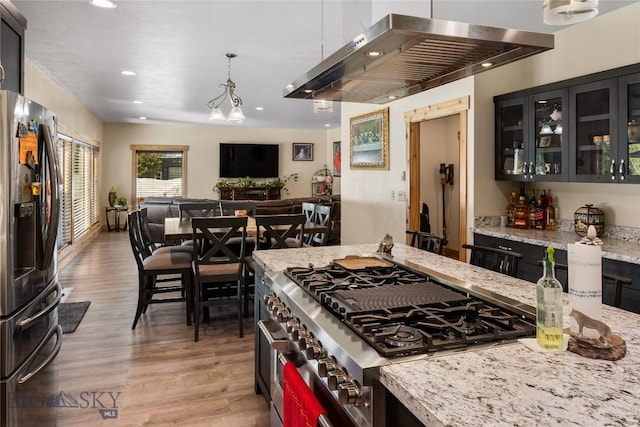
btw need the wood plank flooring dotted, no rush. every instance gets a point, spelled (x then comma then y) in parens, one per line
(161, 375)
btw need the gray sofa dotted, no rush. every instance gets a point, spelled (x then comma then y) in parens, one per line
(159, 208)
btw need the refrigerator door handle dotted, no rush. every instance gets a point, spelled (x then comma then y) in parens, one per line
(52, 229)
(29, 321)
(58, 332)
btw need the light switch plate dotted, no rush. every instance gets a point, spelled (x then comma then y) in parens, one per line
(402, 196)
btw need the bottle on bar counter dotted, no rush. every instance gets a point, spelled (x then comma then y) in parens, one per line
(511, 209)
(521, 215)
(550, 214)
(549, 306)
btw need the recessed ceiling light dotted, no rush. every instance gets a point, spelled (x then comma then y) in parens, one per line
(487, 64)
(128, 73)
(137, 102)
(308, 91)
(327, 125)
(259, 108)
(104, 4)
(374, 53)
(142, 118)
(392, 97)
(290, 86)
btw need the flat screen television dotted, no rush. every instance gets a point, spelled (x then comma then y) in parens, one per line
(254, 160)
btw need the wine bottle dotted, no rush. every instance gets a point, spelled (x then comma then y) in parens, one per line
(549, 306)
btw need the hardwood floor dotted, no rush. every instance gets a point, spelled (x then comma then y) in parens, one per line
(157, 374)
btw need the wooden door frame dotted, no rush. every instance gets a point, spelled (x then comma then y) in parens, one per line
(413, 118)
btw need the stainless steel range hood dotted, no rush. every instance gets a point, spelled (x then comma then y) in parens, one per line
(415, 54)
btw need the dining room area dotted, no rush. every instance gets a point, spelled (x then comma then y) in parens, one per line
(156, 373)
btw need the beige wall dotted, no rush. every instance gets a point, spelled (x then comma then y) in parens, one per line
(367, 209)
(72, 115)
(608, 41)
(203, 155)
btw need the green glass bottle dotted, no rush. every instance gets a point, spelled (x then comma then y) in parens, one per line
(549, 307)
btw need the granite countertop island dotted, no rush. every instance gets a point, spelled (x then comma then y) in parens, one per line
(506, 384)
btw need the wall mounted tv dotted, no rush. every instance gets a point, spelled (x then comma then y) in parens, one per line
(254, 160)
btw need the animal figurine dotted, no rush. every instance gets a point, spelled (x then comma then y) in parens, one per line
(585, 321)
(386, 244)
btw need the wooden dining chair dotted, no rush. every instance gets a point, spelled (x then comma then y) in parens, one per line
(153, 270)
(322, 219)
(149, 244)
(309, 212)
(229, 207)
(195, 209)
(500, 260)
(426, 241)
(219, 270)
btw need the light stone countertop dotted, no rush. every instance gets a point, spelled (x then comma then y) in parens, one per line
(615, 249)
(507, 384)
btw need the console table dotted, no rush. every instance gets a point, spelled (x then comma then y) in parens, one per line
(116, 210)
(250, 193)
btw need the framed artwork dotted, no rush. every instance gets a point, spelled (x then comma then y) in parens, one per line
(303, 152)
(369, 140)
(337, 159)
(545, 141)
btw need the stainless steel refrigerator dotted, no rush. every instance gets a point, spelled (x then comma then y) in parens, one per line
(30, 337)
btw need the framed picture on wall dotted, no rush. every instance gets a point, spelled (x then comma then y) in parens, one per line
(369, 140)
(337, 159)
(303, 152)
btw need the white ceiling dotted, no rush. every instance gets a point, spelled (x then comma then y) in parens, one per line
(177, 49)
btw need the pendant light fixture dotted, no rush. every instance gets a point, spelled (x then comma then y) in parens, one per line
(235, 115)
(566, 12)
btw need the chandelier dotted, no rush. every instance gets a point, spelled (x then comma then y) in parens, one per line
(565, 12)
(235, 115)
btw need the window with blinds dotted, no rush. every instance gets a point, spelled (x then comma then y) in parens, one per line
(160, 171)
(80, 171)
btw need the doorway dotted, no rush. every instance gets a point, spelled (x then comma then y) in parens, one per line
(429, 131)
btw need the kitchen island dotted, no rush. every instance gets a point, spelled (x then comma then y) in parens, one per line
(505, 384)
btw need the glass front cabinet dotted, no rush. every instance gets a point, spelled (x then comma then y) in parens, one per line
(585, 129)
(594, 130)
(530, 138)
(629, 129)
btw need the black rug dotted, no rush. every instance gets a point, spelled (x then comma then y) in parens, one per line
(70, 314)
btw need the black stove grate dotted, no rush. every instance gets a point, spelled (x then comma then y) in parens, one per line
(399, 312)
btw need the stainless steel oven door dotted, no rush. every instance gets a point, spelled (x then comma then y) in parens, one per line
(279, 343)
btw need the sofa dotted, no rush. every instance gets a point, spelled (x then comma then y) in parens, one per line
(159, 208)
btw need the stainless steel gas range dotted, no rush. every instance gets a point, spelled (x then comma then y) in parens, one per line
(341, 322)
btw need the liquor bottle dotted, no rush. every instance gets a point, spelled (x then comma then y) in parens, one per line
(533, 208)
(550, 214)
(521, 215)
(541, 209)
(511, 208)
(549, 306)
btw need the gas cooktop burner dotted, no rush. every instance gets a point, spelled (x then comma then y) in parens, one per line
(401, 336)
(401, 312)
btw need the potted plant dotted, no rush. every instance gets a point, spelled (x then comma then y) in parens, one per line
(120, 202)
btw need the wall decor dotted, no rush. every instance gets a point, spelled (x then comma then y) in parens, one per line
(302, 151)
(337, 159)
(370, 140)
(545, 141)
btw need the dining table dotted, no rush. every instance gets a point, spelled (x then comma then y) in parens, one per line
(180, 228)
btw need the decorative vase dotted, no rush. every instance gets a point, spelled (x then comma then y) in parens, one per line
(112, 196)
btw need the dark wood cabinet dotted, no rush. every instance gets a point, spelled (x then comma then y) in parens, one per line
(12, 27)
(585, 129)
(529, 270)
(250, 193)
